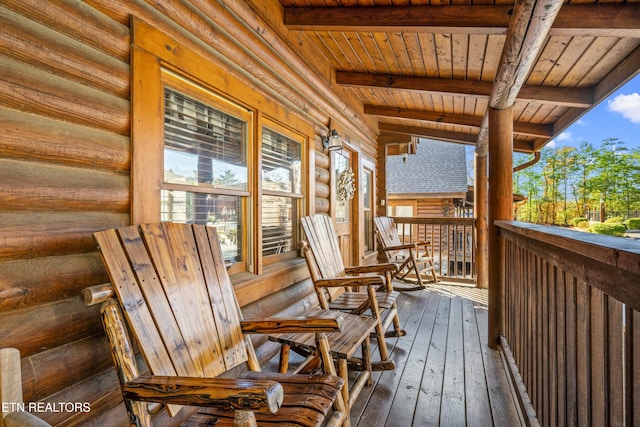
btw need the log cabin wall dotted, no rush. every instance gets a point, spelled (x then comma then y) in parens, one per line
(65, 169)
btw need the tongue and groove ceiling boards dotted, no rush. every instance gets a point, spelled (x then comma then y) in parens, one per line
(432, 69)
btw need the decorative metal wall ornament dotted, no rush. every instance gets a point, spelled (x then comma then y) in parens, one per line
(346, 185)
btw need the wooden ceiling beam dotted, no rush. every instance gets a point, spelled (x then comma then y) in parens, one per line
(528, 31)
(394, 138)
(602, 19)
(569, 97)
(530, 129)
(457, 137)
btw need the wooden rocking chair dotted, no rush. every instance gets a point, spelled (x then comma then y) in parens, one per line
(337, 286)
(171, 283)
(411, 259)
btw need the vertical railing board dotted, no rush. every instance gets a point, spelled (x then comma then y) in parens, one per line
(583, 354)
(615, 358)
(453, 242)
(536, 333)
(575, 349)
(598, 357)
(552, 417)
(561, 336)
(545, 343)
(571, 343)
(635, 375)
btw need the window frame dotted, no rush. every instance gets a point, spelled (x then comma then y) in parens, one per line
(153, 53)
(277, 127)
(169, 79)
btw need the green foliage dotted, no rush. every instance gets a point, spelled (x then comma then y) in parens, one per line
(608, 229)
(570, 182)
(614, 220)
(633, 223)
(580, 222)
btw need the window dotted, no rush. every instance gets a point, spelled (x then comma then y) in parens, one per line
(281, 191)
(206, 173)
(209, 149)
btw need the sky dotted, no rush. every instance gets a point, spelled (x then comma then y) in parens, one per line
(618, 116)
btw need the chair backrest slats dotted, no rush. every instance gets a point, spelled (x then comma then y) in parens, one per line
(323, 242)
(177, 296)
(138, 313)
(388, 235)
(222, 297)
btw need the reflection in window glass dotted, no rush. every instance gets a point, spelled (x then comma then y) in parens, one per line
(277, 224)
(205, 149)
(203, 146)
(223, 212)
(281, 189)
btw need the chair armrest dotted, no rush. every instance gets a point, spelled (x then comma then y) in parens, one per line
(327, 321)
(23, 419)
(338, 282)
(244, 394)
(399, 247)
(372, 268)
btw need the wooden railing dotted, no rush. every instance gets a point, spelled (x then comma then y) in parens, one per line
(453, 243)
(571, 323)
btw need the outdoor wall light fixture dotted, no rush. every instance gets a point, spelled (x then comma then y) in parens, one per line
(332, 142)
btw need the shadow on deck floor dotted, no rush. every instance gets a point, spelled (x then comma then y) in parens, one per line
(445, 374)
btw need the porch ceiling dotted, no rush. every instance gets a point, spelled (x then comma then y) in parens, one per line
(432, 69)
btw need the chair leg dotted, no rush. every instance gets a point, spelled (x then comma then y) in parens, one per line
(396, 322)
(375, 311)
(414, 264)
(340, 405)
(285, 350)
(366, 359)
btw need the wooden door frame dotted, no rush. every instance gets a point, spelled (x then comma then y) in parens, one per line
(351, 257)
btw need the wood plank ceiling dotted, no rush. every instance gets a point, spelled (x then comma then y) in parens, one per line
(428, 68)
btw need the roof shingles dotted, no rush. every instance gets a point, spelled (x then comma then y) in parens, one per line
(437, 167)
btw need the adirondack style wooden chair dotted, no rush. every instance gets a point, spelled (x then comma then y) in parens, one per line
(171, 283)
(411, 258)
(12, 414)
(338, 287)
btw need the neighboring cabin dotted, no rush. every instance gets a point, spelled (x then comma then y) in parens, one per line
(431, 182)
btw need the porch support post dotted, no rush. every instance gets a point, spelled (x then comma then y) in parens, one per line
(500, 207)
(481, 210)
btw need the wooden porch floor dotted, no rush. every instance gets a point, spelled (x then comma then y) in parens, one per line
(445, 373)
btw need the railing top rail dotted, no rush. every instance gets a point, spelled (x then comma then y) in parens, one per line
(615, 251)
(607, 263)
(431, 220)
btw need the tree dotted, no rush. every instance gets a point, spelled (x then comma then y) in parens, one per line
(568, 182)
(582, 167)
(528, 183)
(228, 178)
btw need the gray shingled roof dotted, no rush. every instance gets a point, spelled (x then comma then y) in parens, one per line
(437, 167)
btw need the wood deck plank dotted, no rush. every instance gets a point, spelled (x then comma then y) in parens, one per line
(428, 405)
(478, 408)
(504, 410)
(445, 372)
(401, 412)
(452, 412)
(379, 403)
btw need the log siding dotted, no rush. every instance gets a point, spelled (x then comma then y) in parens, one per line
(65, 171)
